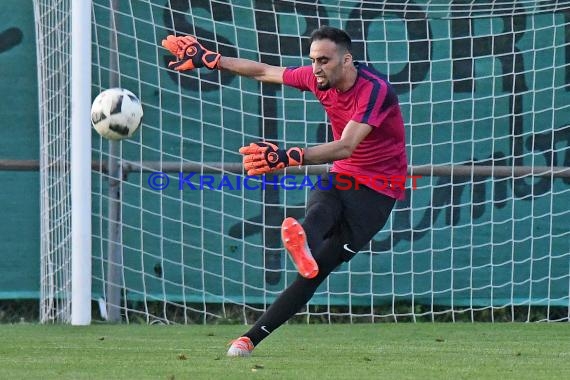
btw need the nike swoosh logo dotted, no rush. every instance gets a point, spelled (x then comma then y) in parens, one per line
(347, 248)
(264, 328)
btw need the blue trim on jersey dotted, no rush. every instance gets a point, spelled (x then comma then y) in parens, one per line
(368, 73)
(373, 97)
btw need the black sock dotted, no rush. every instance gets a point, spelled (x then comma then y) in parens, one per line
(297, 294)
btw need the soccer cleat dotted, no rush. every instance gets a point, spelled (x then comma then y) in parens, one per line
(242, 346)
(295, 241)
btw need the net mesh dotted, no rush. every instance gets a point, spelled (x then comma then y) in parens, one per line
(53, 26)
(178, 236)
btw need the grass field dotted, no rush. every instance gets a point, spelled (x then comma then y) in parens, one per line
(360, 351)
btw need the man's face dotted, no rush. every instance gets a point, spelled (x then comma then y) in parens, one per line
(327, 63)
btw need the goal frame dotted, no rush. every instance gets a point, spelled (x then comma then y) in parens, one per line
(81, 167)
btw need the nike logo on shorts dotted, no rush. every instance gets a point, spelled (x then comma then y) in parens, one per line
(347, 248)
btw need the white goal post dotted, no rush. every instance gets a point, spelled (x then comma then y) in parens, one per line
(63, 31)
(176, 236)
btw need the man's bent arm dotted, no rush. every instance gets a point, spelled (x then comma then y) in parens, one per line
(252, 69)
(339, 149)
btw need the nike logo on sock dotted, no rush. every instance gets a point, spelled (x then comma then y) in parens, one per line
(347, 248)
(264, 328)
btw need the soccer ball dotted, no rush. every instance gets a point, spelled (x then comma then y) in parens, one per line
(116, 113)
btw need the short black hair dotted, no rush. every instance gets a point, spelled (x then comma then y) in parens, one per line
(338, 36)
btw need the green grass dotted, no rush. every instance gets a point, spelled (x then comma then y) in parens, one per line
(360, 351)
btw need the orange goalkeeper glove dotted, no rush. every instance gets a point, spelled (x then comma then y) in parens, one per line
(190, 54)
(264, 157)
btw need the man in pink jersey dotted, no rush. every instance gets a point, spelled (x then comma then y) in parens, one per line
(369, 142)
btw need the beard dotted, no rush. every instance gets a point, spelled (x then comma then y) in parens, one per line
(324, 86)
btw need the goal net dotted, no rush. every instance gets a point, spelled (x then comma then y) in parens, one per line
(179, 236)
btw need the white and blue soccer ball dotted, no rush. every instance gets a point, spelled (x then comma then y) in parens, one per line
(116, 113)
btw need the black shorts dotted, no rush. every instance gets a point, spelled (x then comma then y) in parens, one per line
(350, 215)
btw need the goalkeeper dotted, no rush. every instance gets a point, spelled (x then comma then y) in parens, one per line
(369, 141)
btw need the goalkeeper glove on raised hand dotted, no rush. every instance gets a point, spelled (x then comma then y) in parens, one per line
(264, 157)
(190, 54)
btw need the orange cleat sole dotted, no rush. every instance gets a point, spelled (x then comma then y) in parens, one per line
(295, 241)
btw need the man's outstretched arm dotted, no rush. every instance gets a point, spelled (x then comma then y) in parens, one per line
(190, 54)
(252, 69)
